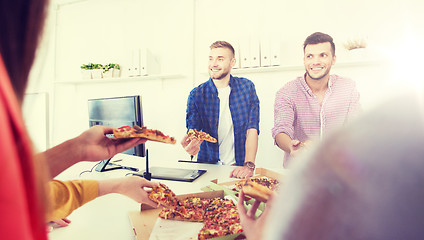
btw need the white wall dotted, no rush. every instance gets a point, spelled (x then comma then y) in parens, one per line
(179, 33)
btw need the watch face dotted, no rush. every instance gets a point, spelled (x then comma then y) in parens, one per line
(250, 165)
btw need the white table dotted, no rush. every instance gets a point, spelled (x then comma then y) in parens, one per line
(107, 217)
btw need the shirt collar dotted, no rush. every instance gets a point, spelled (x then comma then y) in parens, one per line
(305, 85)
(212, 86)
(309, 90)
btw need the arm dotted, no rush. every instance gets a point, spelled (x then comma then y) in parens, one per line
(283, 129)
(91, 145)
(288, 145)
(192, 147)
(251, 144)
(251, 149)
(65, 197)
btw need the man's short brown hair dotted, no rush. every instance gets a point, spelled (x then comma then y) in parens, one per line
(319, 37)
(222, 44)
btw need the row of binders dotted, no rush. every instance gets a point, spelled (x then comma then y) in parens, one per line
(141, 62)
(254, 53)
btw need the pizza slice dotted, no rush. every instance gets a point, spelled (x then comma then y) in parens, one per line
(256, 190)
(199, 135)
(163, 196)
(142, 132)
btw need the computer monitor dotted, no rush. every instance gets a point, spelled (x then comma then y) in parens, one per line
(117, 112)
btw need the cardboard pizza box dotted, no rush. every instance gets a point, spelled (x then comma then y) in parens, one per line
(259, 172)
(144, 221)
(229, 187)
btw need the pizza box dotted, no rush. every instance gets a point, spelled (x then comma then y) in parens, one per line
(143, 222)
(259, 172)
(228, 187)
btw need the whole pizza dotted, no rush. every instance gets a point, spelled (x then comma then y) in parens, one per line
(220, 216)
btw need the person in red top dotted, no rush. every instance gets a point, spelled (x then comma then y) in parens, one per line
(24, 195)
(311, 106)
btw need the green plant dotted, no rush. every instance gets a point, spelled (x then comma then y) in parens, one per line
(109, 66)
(92, 66)
(87, 66)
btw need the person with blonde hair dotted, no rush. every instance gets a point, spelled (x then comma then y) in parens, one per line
(227, 108)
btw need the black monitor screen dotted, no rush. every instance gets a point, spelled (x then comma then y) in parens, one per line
(117, 112)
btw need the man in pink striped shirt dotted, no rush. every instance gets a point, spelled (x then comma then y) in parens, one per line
(309, 107)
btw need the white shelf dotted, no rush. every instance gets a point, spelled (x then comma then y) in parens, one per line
(121, 79)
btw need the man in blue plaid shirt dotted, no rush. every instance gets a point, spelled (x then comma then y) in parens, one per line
(227, 108)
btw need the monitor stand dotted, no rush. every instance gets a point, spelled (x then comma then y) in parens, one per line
(106, 165)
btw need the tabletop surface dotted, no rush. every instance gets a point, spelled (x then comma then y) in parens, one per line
(107, 217)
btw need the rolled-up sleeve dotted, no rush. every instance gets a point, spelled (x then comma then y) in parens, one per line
(66, 196)
(192, 113)
(354, 106)
(283, 115)
(254, 110)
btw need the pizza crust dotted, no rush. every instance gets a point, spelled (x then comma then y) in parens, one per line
(256, 191)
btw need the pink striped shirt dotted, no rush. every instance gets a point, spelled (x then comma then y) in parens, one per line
(298, 114)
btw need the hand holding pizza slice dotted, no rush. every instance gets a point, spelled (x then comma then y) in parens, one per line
(163, 196)
(257, 189)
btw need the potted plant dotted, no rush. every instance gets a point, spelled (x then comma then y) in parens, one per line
(97, 71)
(86, 70)
(116, 70)
(107, 70)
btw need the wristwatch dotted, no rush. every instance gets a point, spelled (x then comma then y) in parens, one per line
(250, 165)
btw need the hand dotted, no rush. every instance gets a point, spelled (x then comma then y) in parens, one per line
(64, 222)
(132, 187)
(95, 146)
(252, 227)
(297, 145)
(242, 172)
(192, 147)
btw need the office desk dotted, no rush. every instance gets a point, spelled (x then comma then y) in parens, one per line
(107, 217)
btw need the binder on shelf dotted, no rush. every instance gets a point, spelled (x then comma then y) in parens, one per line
(265, 52)
(255, 58)
(134, 63)
(275, 52)
(148, 63)
(245, 53)
(142, 63)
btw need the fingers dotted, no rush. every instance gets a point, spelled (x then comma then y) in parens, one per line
(252, 211)
(185, 141)
(62, 222)
(295, 143)
(105, 129)
(193, 146)
(241, 172)
(240, 204)
(268, 206)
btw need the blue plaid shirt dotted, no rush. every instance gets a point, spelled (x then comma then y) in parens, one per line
(203, 114)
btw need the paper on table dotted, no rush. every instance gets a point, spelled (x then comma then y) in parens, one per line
(175, 230)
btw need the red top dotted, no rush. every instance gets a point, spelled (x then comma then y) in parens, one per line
(21, 211)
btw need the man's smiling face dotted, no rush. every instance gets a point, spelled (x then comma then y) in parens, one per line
(221, 60)
(318, 59)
